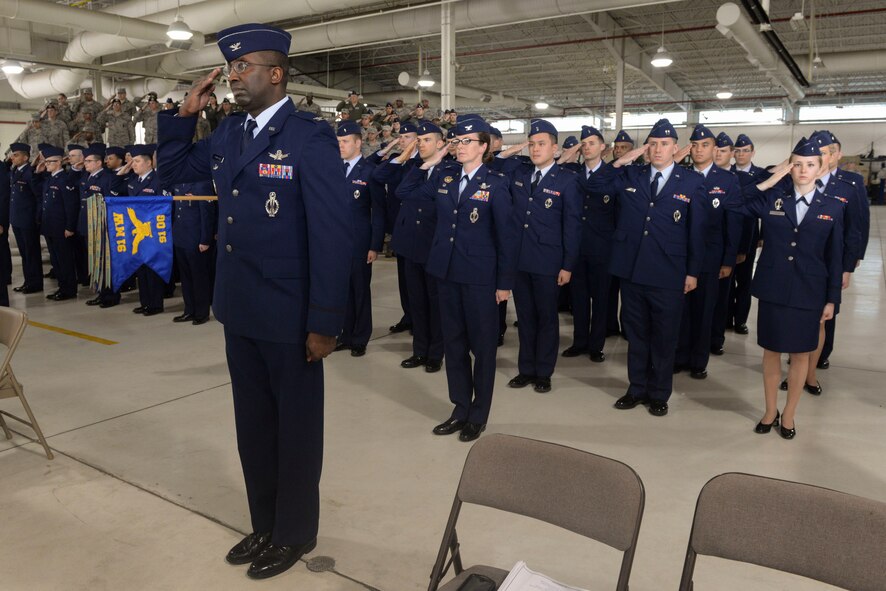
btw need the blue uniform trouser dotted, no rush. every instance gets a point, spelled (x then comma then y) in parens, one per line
(613, 318)
(424, 305)
(503, 318)
(721, 309)
(61, 255)
(28, 240)
(150, 288)
(358, 314)
(590, 287)
(740, 301)
(404, 293)
(536, 298)
(81, 259)
(470, 326)
(5, 258)
(651, 320)
(194, 268)
(278, 410)
(694, 348)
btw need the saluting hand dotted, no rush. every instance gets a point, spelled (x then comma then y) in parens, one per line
(778, 173)
(405, 154)
(690, 284)
(435, 159)
(319, 346)
(198, 96)
(631, 156)
(514, 150)
(682, 153)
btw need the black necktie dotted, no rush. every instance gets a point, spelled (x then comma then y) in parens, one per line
(653, 188)
(462, 185)
(803, 200)
(247, 135)
(536, 179)
(818, 183)
(347, 165)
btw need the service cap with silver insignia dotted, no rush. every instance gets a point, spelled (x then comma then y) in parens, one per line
(548, 203)
(357, 194)
(677, 216)
(716, 202)
(272, 206)
(475, 215)
(778, 204)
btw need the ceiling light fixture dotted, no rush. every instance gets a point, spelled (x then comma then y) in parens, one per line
(179, 30)
(541, 105)
(662, 58)
(724, 95)
(12, 67)
(426, 81)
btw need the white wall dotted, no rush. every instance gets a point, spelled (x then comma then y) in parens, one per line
(12, 124)
(773, 142)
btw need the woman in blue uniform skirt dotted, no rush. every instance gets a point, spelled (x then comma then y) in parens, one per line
(798, 277)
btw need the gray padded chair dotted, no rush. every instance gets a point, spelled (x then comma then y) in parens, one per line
(590, 495)
(814, 532)
(12, 327)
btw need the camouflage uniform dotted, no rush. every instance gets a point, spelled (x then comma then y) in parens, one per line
(203, 129)
(55, 132)
(31, 136)
(148, 120)
(121, 131)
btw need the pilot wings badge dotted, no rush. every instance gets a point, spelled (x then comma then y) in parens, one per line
(278, 155)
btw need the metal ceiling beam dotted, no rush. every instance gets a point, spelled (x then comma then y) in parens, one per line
(634, 56)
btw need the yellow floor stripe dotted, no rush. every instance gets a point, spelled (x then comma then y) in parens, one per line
(72, 333)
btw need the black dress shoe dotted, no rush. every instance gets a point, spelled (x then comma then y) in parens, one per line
(414, 361)
(358, 350)
(19, 288)
(32, 290)
(199, 321)
(152, 311)
(501, 340)
(400, 327)
(139, 310)
(658, 408)
(106, 304)
(471, 431)
(823, 364)
(717, 351)
(543, 385)
(50, 274)
(627, 401)
(433, 365)
(814, 390)
(248, 548)
(574, 351)
(766, 428)
(341, 347)
(183, 318)
(787, 433)
(698, 374)
(741, 329)
(277, 559)
(449, 426)
(783, 386)
(60, 297)
(521, 381)
(94, 301)
(597, 356)
(51, 295)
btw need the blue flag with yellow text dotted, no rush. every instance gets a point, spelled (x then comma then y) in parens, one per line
(140, 233)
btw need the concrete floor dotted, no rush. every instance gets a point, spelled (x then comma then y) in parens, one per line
(146, 492)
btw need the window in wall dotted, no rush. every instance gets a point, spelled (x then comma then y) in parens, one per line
(872, 112)
(741, 117)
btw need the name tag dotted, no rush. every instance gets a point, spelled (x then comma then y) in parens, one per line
(480, 196)
(775, 212)
(275, 171)
(518, 183)
(631, 190)
(443, 191)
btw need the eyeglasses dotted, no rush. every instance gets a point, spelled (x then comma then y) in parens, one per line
(464, 142)
(241, 66)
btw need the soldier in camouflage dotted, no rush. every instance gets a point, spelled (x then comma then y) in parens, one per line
(121, 130)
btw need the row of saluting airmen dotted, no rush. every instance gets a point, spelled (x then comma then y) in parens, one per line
(48, 199)
(679, 241)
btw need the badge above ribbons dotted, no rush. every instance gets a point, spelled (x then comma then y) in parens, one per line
(140, 233)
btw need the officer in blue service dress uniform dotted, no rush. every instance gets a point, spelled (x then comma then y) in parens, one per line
(547, 209)
(145, 182)
(473, 256)
(723, 160)
(193, 240)
(97, 180)
(622, 144)
(75, 175)
(722, 234)
(58, 220)
(367, 197)
(798, 277)
(740, 299)
(284, 258)
(591, 279)
(658, 250)
(24, 192)
(413, 234)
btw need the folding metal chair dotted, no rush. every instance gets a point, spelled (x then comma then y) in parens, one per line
(12, 326)
(590, 495)
(814, 532)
